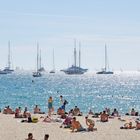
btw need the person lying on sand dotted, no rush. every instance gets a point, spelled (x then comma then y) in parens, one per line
(67, 122)
(30, 137)
(137, 125)
(90, 123)
(75, 125)
(104, 117)
(8, 110)
(128, 126)
(31, 119)
(37, 110)
(47, 119)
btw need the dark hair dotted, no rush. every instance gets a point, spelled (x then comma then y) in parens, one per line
(46, 136)
(74, 118)
(30, 134)
(61, 96)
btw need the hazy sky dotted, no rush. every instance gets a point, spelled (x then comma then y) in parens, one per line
(55, 23)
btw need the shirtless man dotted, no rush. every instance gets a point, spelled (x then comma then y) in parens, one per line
(104, 117)
(75, 125)
(37, 110)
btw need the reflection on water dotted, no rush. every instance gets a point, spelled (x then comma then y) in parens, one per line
(86, 91)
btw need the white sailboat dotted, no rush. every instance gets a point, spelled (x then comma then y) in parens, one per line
(53, 70)
(37, 73)
(40, 69)
(8, 69)
(74, 69)
(105, 70)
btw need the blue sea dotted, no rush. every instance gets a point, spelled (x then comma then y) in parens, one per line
(90, 91)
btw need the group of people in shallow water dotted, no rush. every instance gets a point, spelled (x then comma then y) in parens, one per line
(68, 119)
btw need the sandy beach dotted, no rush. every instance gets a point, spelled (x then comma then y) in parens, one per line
(13, 129)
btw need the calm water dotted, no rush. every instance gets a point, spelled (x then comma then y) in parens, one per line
(120, 91)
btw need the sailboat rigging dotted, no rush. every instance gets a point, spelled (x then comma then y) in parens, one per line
(105, 70)
(37, 73)
(53, 70)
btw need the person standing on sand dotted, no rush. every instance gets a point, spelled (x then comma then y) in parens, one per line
(61, 100)
(50, 105)
(30, 137)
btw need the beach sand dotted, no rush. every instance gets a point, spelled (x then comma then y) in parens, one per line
(13, 129)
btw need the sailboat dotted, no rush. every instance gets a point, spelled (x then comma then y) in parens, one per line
(40, 69)
(105, 70)
(8, 69)
(74, 69)
(53, 70)
(37, 73)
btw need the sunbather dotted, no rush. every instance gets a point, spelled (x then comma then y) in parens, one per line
(90, 123)
(76, 126)
(104, 117)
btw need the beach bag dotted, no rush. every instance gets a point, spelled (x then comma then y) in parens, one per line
(34, 119)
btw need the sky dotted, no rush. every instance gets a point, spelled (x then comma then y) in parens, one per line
(56, 23)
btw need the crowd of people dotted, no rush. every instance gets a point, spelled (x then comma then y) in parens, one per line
(69, 119)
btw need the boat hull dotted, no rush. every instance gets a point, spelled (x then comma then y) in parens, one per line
(105, 72)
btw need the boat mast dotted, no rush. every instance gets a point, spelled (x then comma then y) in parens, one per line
(53, 61)
(9, 56)
(75, 52)
(40, 60)
(105, 57)
(37, 55)
(79, 54)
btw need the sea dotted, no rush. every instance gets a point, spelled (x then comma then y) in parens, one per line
(89, 91)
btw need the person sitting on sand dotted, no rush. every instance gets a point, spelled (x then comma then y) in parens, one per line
(37, 110)
(133, 112)
(128, 126)
(76, 111)
(107, 110)
(60, 111)
(47, 119)
(30, 137)
(8, 110)
(26, 113)
(90, 123)
(75, 125)
(90, 112)
(71, 112)
(115, 113)
(18, 113)
(104, 117)
(29, 119)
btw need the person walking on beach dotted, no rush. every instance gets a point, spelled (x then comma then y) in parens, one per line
(50, 106)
